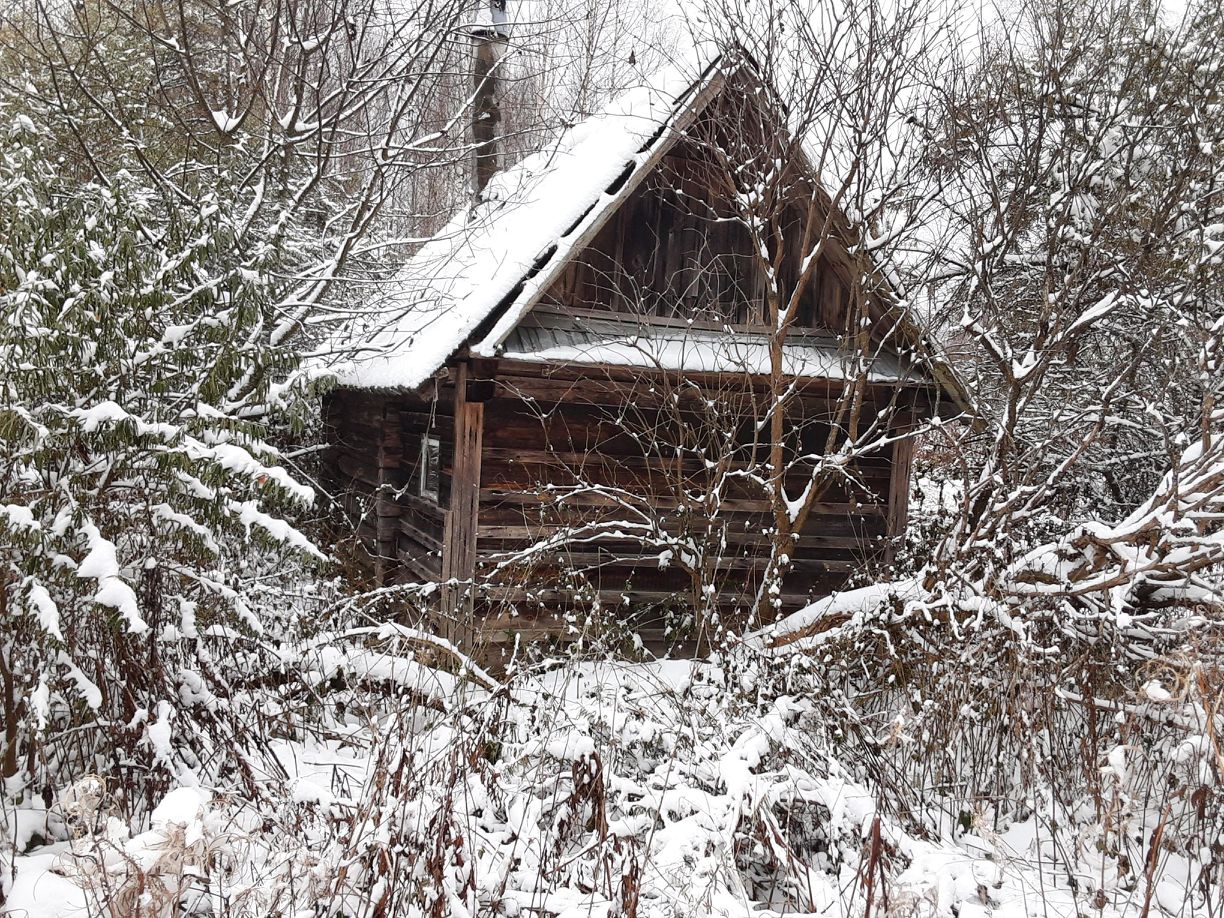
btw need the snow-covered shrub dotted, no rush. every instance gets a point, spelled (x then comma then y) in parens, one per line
(1081, 159)
(977, 717)
(149, 874)
(139, 498)
(612, 788)
(750, 784)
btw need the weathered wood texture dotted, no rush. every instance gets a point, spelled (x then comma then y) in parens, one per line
(566, 452)
(586, 461)
(373, 465)
(676, 249)
(459, 534)
(612, 469)
(902, 460)
(581, 459)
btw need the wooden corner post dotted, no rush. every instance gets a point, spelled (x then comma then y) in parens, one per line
(386, 508)
(899, 479)
(459, 535)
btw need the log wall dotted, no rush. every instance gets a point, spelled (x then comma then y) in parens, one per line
(373, 466)
(551, 452)
(603, 439)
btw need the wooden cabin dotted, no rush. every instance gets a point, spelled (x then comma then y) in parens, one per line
(558, 403)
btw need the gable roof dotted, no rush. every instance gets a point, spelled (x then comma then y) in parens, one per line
(479, 267)
(474, 282)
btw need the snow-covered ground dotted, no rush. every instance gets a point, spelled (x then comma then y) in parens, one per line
(668, 788)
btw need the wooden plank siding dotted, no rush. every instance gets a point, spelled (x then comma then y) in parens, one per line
(674, 249)
(603, 439)
(547, 434)
(401, 530)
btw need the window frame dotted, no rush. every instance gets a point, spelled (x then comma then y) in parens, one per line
(429, 465)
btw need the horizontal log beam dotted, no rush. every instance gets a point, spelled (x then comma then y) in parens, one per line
(866, 465)
(580, 559)
(420, 536)
(533, 534)
(539, 499)
(420, 565)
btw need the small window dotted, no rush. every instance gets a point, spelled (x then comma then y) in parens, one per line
(429, 474)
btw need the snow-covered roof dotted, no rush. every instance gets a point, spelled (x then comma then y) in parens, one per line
(473, 283)
(625, 343)
(486, 258)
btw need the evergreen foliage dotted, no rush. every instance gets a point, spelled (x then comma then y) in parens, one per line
(138, 494)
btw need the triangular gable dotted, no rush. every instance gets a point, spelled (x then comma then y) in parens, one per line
(676, 248)
(586, 241)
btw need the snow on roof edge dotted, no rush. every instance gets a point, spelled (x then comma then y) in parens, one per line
(487, 255)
